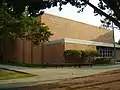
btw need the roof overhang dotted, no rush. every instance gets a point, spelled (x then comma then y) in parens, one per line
(78, 41)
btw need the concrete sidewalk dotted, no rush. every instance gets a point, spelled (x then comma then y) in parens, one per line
(48, 75)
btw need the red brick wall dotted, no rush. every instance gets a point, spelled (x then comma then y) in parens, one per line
(53, 53)
(25, 52)
(7, 50)
(66, 28)
(18, 51)
(61, 28)
(37, 55)
(69, 46)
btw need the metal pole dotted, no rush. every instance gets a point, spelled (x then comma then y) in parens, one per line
(114, 53)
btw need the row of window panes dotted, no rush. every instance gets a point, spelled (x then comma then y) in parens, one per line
(105, 52)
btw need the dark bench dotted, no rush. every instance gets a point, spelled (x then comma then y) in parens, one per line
(68, 64)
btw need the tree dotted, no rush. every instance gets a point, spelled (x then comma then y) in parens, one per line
(22, 27)
(14, 27)
(36, 7)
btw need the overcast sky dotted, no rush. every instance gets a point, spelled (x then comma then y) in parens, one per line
(87, 16)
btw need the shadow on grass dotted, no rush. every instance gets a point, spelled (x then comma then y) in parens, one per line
(9, 74)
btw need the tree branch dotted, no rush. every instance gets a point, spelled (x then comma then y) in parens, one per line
(114, 5)
(103, 13)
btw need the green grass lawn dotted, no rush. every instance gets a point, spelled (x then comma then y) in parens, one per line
(7, 74)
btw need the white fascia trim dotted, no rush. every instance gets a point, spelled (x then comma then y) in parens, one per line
(54, 41)
(77, 41)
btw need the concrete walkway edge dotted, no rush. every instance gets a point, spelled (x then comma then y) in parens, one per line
(49, 75)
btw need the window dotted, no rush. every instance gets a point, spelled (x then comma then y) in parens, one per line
(105, 51)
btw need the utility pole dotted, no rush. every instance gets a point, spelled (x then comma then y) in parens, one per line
(114, 47)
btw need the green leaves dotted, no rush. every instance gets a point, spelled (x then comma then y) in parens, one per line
(36, 8)
(82, 53)
(23, 27)
(72, 52)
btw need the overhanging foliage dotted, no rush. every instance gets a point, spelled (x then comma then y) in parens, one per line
(22, 27)
(36, 7)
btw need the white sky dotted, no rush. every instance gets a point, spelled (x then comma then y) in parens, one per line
(87, 16)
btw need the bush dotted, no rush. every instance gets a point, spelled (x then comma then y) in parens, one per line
(94, 53)
(72, 52)
(72, 56)
(80, 55)
(102, 61)
(86, 53)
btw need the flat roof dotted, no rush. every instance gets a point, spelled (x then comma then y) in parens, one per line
(78, 41)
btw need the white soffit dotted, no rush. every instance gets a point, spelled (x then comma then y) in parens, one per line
(54, 41)
(77, 41)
